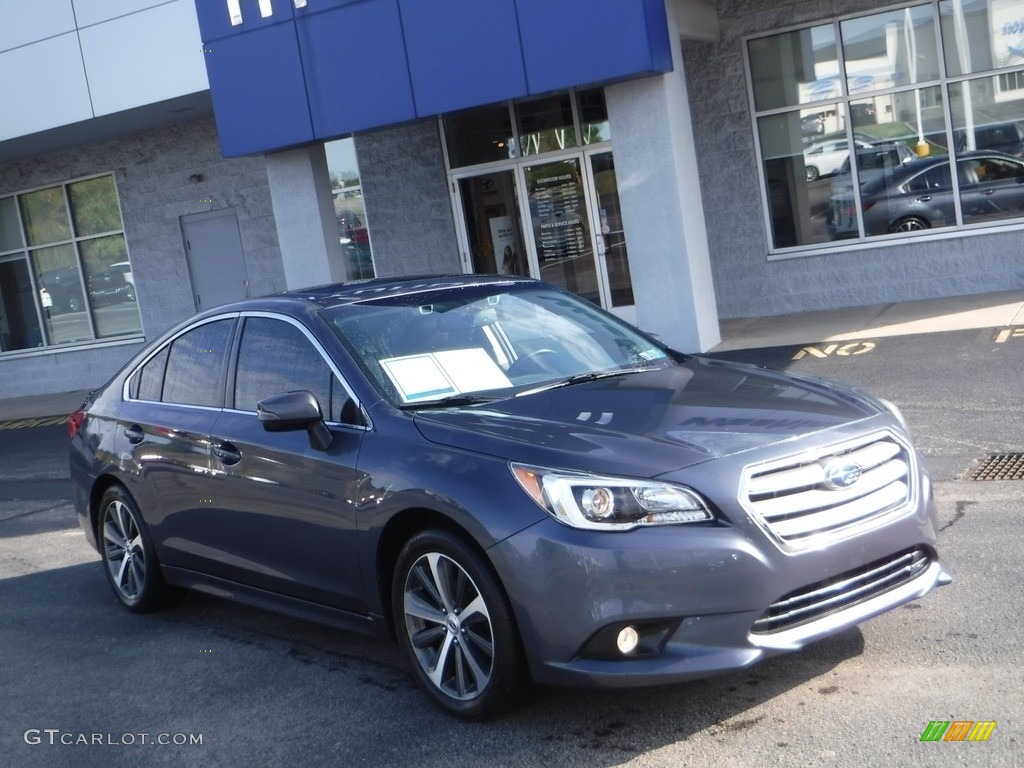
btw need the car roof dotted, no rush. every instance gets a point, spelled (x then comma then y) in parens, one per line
(356, 291)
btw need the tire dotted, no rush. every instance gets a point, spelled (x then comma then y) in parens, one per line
(129, 560)
(909, 224)
(812, 173)
(455, 625)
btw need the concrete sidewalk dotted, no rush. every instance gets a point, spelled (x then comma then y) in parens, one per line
(987, 310)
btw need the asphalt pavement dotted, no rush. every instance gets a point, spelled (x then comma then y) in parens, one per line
(206, 682)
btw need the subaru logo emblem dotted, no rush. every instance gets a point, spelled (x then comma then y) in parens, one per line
(841, 474)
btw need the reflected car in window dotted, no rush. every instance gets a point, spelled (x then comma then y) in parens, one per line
(919, 195)
(517, 486)
(112, 285)
(827, 158)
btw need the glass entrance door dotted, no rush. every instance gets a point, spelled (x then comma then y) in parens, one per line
(561, 229)
(558, 221)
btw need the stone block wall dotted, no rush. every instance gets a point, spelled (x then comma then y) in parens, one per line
(408, 206)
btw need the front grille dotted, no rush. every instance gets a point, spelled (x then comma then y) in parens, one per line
(840, 592)
(807, 500)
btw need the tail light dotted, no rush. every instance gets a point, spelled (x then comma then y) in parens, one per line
(75, 421)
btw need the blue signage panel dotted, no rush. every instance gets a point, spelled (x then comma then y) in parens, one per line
(259, 96)
(223, 18)
(462, 53)
(573, 42)
(356, 72)
(288, 72)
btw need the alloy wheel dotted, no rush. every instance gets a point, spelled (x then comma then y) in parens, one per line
(449, 626)
(123, 550)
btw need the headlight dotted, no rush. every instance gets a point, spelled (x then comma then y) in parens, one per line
(609, 503)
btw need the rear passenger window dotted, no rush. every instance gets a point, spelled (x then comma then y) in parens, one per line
(195, 365)
(151, 377)
(275, 357)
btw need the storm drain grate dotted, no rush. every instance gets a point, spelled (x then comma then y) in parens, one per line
(999, 466)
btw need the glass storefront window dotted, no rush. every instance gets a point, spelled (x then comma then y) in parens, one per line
(594, 125)
(980, 35)
(19, 321)
(480, 136)
(350, 208)
(887, 50)
(10, 226)
(94, 206)
(45, 215)
(794, 68)
(545, 125)
(76, 279)
(923, 140)
(60, 288)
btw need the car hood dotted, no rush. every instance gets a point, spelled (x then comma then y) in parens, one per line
(645, 424)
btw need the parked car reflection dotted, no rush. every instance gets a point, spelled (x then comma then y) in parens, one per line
(919, 194)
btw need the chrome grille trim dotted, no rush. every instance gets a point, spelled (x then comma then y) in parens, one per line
(792, 500)
(819, 600)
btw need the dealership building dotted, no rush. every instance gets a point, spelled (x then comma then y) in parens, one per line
(676, 162)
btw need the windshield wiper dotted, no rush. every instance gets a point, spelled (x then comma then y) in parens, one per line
(450, 401)
(582, 378)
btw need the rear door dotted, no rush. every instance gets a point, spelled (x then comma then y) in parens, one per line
(164, 435)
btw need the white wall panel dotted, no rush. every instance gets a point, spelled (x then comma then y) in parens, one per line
(43, 87)
(89, 12)
(144, 58)
(24, 22)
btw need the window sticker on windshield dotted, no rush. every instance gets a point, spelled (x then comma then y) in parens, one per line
(652, 354)
(440, 374)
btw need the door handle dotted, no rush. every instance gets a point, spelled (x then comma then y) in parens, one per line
(988, 192)
(924, 199)
(227, 453)
(134, 434)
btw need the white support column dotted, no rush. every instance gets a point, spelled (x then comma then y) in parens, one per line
(663, 216)
(307, 230)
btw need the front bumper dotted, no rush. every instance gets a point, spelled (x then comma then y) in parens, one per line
(712, 583)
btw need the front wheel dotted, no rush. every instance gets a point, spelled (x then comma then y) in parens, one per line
(812, 173)
(456, 627)
(128, 556)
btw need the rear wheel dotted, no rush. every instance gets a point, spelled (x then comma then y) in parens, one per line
(909, 224)
(456, 627)
(128, 557)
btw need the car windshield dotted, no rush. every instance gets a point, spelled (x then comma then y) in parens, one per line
(480, 342)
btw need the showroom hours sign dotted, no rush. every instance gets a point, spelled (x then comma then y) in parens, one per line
(558, 211)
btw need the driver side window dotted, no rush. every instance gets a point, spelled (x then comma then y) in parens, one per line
(274, 357)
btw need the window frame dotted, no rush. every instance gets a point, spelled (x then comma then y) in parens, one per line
(227, 375)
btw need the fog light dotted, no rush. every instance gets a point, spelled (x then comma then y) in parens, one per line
(628, 639)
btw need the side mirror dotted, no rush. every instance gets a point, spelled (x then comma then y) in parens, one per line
(290, 411)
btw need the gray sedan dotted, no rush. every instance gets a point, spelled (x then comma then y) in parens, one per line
(515, 485)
